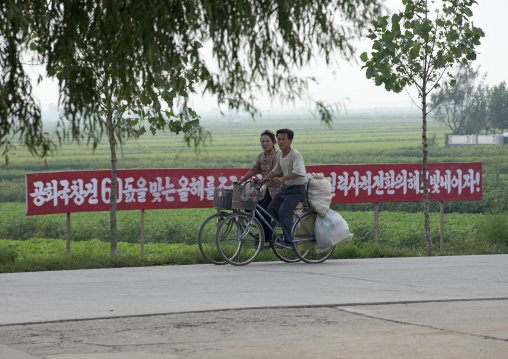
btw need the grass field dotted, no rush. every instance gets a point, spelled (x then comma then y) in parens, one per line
(236, 144)
(352, 139)
(171, 235)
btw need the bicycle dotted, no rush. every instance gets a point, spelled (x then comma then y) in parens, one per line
(208, 231)
(240, 236)
(207, 238)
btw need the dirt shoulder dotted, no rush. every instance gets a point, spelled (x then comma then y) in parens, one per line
(455, 329)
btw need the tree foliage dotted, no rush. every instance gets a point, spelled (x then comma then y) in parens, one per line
(20, 116)
(498, 106)
(477, 111)
(471, 107)
(150, 49)
(451, 104)
(412, 49)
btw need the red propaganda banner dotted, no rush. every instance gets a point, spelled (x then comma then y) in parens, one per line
(87, 191)
(403, 182)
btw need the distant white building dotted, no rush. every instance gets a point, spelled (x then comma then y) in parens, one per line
(472, 140)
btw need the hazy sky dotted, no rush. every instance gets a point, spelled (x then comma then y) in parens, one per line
(349, 83)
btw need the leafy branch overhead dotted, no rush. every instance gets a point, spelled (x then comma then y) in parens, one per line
(420, 44)
(148, 54)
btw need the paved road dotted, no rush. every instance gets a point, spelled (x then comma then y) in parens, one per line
(458, 305)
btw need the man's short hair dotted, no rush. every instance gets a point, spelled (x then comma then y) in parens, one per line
(286, 131)
(269, 134)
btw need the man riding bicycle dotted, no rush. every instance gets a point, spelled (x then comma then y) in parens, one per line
(292, 168)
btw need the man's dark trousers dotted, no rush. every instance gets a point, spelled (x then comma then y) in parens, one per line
(265, 202)
(284, 204)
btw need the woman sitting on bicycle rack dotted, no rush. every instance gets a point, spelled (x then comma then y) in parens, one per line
(264, 164)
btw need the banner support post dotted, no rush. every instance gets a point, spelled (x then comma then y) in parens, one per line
(142, 235)
(441, 213)
(68, 244)
(376, 222)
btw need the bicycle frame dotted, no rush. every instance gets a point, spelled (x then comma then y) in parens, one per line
(260, 211)
(257, 211)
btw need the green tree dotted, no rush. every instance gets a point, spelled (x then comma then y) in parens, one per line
(20, 115)
(477, 111)
(145, 55)
(498, 107)
(451, 103)
(411, 49)
(106, 95)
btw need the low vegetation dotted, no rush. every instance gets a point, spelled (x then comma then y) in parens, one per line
(170, 238)
(38, 242)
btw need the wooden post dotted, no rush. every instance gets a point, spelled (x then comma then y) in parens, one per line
(68, 233)
(376, 222)
(142, 237)
(441, 210)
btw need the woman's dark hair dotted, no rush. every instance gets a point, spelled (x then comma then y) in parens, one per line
(286, 131)
(269, 134)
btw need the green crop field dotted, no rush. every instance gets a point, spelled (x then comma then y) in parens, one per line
(235, 144)
(352, 139)
(470, 227)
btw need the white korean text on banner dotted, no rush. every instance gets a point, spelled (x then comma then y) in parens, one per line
(87, 191)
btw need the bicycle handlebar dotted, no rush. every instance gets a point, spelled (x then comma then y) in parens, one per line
(255, 181)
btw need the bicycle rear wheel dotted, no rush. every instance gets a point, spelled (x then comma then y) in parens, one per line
(304, 240)
(207, 238)
(239, 238)
(284, 254)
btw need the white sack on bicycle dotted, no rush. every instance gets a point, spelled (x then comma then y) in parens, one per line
(330, 230)
(319, 193)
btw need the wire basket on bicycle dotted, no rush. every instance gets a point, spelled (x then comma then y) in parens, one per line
(245, 196)
(222, 198)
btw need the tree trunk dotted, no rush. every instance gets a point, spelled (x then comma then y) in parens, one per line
(428, 238)
(112, 197)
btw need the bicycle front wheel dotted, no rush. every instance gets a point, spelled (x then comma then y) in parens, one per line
(207, 238)
(239, 238)
(304, 240)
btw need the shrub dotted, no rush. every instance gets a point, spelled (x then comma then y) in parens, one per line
(348, 250)
(494, 228)
(23, 228)
(12, 191)
(7, 254)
